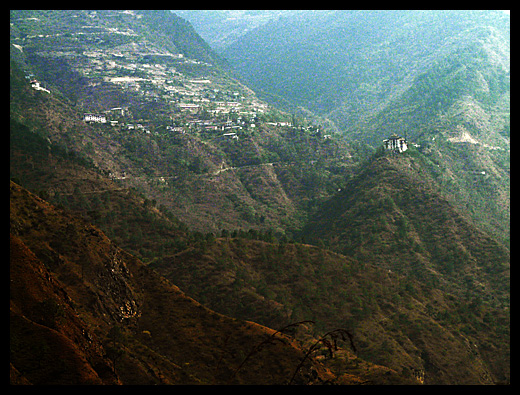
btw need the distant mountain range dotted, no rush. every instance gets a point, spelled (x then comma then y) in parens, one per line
(221, 28)
(355, 66)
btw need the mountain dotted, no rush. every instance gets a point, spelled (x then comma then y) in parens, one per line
(394, 211)
(393, 216)
(431, 76)
(127, 120)
(414, 270)
(39, 307)
(352, 65)
(83, 311)
(398, 319)
(178, 127)
(169, 32)
(221, 28)
(108, 291)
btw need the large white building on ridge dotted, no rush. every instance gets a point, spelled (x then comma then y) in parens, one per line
(395, 143)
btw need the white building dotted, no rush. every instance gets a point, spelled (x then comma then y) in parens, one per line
(118, 111)
(36, 85)
(231, 135)
(188, 106)
(99, 118)
(395, 143)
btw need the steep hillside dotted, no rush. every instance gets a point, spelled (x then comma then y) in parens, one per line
(49, 342)
(351, 64)
(266, 180)
(72, 290)
(178, 129)
(220, 28)
(474, 176)
(394, 202)
(427, 75)
(110, 28)
(129, 121)
(463, 91)
(392, 215)
(397, 320)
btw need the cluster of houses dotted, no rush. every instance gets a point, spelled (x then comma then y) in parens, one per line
(156, 74)
(279, 123)
(96, 118)
(180, 129)
(225, 107)
(103, 117)
(215, 107)
(192, 107)
(229, 126)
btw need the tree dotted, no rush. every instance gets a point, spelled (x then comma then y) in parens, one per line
(115, 347)
(329, 340)
(50, 312)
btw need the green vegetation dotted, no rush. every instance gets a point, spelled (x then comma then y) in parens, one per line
(350, 65)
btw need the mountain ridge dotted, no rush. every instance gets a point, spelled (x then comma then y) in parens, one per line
(375, 38)
(171, 154)
(427, 75)
(141, 298)
(389, 244)
(395, 174)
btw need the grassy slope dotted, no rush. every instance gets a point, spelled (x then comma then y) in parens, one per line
(169, 338)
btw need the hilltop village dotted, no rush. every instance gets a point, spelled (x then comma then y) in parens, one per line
(194, 104)
(182, 93)
(193, 119)
(188, 103)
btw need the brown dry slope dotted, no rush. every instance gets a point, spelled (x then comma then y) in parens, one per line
(85, 311)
